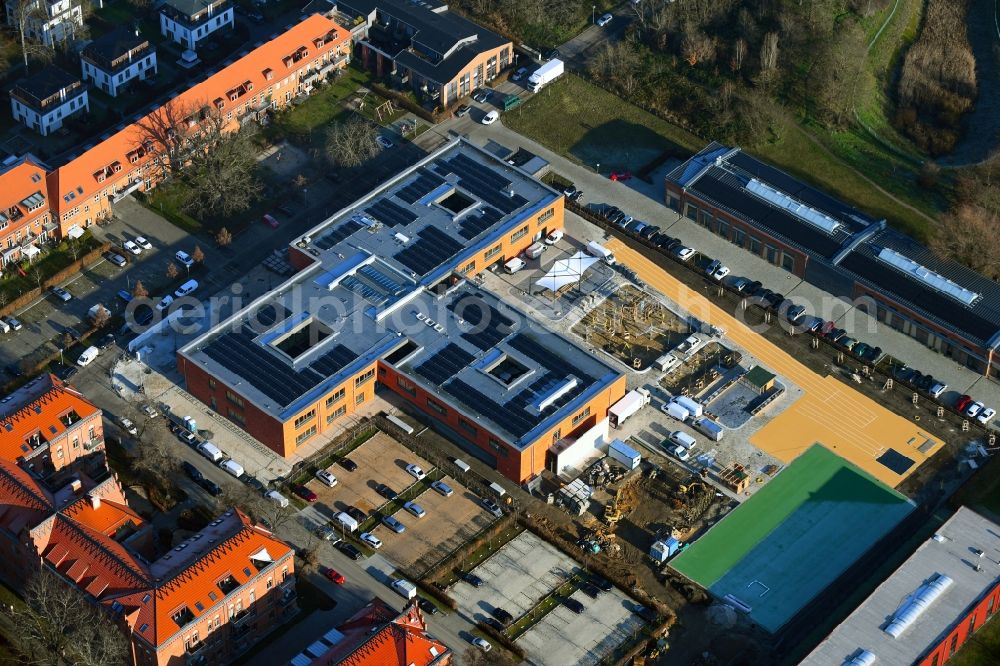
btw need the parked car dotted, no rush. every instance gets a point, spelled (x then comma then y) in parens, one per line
(963, 402)
(147, 409)
(492, 507)
(128, 426)
(143, 243)
(115, 258)
(683, 252)
(304, 493)
(574, 605)
(326, 477)
(371, 540)
(986, 415)
(973, 410)
(326, 533)
(334, 576)
(211, 487)
(740, 284)
(482, 96)
(350, 550)
(384, 141)
(590, 590)
(164, 303)
(193, 472)
(443, 488)
(604, 20)
(491, 117)
(124, 296)
(187, 437)
(386, 492)
(519, 74)
(427, 606)
(356, 513)
(415, 471)
(603, 583)
(61, 294)
(184, 258)
(132, 247)
(936, 389)
(554, 237)
(14, 324)
(463, 110)
(348, 464)
(472, 579)
(502, 615)
(270, 221)
(415, 509)
(481, 643)
(393, 524)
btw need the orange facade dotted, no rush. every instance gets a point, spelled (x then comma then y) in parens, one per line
(24, 207)
(83, 190)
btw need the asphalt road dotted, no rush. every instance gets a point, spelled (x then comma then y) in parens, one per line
(578, 51)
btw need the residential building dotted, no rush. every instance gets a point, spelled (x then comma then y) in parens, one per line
(941, 303)
(930, 606)
(394, 269)
(49, 22)
(207, 600)
(47, 426)
(24, 208)
(425, 47)
(268, 77)
(114, 60)
(44, 101)
(187, 22)
(378, 635)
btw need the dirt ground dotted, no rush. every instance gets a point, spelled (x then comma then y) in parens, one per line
(450, 522)
(380, 460)
(700, 371)
(632, 326)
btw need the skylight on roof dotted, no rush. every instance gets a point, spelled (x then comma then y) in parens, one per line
(914, 606)
(933, 280)
(812, 216)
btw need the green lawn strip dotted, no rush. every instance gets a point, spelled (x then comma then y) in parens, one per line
(546, 605)
(589, 125)
(483, 553)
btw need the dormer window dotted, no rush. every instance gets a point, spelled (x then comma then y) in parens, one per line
(116, 166)
(100, 175)
(268, 74)
(220, 103)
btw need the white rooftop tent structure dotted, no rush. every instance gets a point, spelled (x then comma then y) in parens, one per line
(566, 271)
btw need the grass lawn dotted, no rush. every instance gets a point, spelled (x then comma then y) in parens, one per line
(169, 199)
(302, 121)
(983, 648)
(591, 126)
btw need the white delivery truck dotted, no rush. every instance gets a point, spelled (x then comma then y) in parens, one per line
(514, 265)
(232, 467)
(676, 410)
(211, 451)
(627, 406)
(345, 521)
(623, 453)
(691, 405)
(546, 74)
(709, 428)
(405, 588)
(595, 249)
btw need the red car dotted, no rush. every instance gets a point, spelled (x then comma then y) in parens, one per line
(963, 402)
(621, 175)
(332, 574)
(304, 493)
(270, 221)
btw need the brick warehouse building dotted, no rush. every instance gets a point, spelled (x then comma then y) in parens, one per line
(941, 303)
(381, 297)
(930, 606)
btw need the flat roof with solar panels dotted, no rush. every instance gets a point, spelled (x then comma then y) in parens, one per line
(915, 608)
(384, 287)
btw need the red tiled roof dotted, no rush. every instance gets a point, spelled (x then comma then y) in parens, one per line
(42, 415)
(17, 184)
(399, 639)
(107, 518)
(77, 180)
(23, 503)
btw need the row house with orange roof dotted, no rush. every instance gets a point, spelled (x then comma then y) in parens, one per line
(47, 426)
(24, 208)
(269, 77)
(206, 600)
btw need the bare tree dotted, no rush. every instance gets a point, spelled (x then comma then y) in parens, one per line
(697, 47)
(739, 55)
(351, 143)
(172, 271)
(618, 64)
(197, 255)
(769, 57)
(254, 505)
(476, 657)
(223, 238)
(56, 625)
(223, 180)
(100, 318)
(24, 15)
(38, 276)
(172, 133)
(960, 237)
(139, 291)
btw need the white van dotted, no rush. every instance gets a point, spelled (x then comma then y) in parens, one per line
(693, 406)
(534, 250)
(346, 521)
(709, 428)
(277, 498)
(211, 451)
(595, 249)
(88, 356)
(676, 410)
(232, 467)
(685, 444)
(4, 326)
(514, 265)
(186, 288)
(405, 588)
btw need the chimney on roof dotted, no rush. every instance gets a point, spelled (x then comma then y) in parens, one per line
(95, 501)
(76, 485)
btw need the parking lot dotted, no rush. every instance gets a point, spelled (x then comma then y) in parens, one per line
(450, 522)
(380, 460)
(565, 637)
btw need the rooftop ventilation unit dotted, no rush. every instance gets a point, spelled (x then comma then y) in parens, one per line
(817, 219)
(918, 602)
(930, 278)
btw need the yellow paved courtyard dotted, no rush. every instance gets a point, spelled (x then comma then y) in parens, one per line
(845, 421)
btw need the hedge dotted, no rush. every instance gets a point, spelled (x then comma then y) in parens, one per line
(77, 265)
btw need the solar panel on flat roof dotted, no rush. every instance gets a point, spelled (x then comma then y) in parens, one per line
(489, 325)
(381, 279)
(482, 182)
(445, 364)
(546, 358)
(514, 421)
(473, 225)
(337, 234)
(425, 182)
(333, 361)
(366, 292)
(429, 251)
(268, 314)
(390, 214)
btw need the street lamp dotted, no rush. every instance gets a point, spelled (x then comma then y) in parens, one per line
(598, 169)
(593, 16)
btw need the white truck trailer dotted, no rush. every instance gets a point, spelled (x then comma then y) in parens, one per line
(546, 74)
(627, 406)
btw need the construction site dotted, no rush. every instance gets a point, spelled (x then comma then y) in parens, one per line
(632, 326)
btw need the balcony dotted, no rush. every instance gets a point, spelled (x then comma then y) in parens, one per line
(288, 597)
(239, 619)
(94, 443)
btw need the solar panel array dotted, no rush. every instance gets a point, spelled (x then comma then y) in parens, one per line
(485, 183)
(480, 314)
(429, 251)
(365, 291)
(338, 234)
(515, 421)
(473, 225)
(445, 364)
(381, 279)
(270, 375)
(270, 313)
(545, 358)
(423, 185)
(390, 214)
